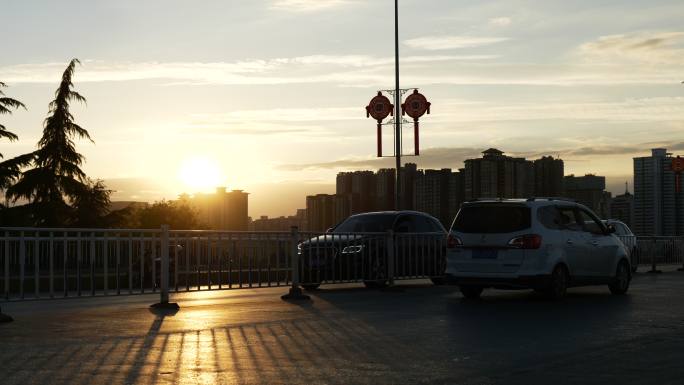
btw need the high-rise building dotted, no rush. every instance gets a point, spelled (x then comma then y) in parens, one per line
(222, 210)
(264, 223)
(548, 177)
(409, 173)
(496, 175)
(658, 201)
(622, 207)
(588, 190)
(360, 183)
(343, 183)
(320, 212)
(236, 208)
(385, 181)
(436, 193)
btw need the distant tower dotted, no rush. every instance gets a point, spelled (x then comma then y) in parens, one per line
(622, 207)
(658, 207)
(548, 177)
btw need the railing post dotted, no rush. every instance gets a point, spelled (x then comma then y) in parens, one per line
(390, 257)
(22, 264)
(7, 265)
(679, 251)
(295, 292)
(654, 268)
(164, 273)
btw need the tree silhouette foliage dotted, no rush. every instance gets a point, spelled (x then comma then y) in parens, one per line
(175, 214)
(54, 177)
(8, 170)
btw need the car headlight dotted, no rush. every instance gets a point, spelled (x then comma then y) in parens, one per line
(353, 249)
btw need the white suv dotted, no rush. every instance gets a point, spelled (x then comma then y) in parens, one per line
(544, 244)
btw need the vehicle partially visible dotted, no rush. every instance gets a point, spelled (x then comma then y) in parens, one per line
(625, 234)
(547, 245)
(357, 249)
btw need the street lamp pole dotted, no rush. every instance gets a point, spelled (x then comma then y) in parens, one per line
(397, 112)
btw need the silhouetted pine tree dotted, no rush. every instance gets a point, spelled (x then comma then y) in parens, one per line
(8, 170)
(55, 178)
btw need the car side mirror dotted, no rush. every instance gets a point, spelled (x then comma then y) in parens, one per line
(610, 229)
(329, 230)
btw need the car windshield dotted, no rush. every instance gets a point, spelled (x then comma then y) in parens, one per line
(492, 218)
(371, 223)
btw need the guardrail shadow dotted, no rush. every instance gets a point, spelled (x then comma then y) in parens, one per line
(317, 349)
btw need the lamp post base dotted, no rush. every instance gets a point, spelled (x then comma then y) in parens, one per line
(166, 306)
(295, 294)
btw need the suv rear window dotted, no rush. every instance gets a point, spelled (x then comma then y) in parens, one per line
(492, 218)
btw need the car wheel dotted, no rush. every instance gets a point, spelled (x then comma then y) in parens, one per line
(558, 285)
(635, 259)
(375, 284)
(311, 286)
(620, 283)
(379, 276)
(471, 291)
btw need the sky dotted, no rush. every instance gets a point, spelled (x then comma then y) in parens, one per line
(269, 96)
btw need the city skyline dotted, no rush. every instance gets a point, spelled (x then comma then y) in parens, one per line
(277, 113)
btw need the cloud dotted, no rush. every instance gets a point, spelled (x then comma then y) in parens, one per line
(256, 130)
(656, 109)
(638, 47)
(500, 21)
(592, 63)
(307, 5)
(296, 115)
(435, 43)
(454, 157)
(302, 69)
(429, 158)
(634, 150)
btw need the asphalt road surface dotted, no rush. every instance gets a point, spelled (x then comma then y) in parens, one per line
(413, 333)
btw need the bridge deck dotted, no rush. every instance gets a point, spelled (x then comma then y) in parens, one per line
(415, 333)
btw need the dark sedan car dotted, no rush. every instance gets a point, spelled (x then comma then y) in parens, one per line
(360, 248)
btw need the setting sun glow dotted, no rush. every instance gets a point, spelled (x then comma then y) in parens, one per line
(200, 174)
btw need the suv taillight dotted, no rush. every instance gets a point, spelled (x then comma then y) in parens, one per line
(527, 241)
(453, 241)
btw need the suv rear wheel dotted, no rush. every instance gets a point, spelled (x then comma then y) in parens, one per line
(622, 278)
(558, 286)
(471, 291)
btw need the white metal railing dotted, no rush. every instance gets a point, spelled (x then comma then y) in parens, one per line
(659, 250)
(65, 262)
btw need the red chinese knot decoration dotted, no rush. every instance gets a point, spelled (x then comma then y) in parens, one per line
(415, 106)
(379, 108)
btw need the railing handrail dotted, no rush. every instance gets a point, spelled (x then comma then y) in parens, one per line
(78, 230)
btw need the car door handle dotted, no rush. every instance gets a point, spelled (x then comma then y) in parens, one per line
(595, 243)
(569, 242)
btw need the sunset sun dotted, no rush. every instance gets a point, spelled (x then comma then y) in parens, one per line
(200, 174)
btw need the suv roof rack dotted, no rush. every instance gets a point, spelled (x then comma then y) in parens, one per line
(532, 199)
(487, 199)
